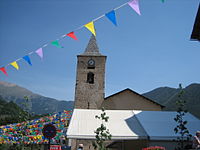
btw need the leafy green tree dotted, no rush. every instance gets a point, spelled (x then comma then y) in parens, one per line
(102, 133)
(181, 128)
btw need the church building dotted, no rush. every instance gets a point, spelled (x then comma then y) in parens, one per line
(90, 91)
(90, 85)
(135, 122)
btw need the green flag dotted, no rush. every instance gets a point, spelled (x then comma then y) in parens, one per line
(55, 43)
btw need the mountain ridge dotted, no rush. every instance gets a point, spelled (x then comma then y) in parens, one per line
(168, 97)
(165, 96)
(39, 104)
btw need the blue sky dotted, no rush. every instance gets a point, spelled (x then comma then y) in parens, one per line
(143, 52)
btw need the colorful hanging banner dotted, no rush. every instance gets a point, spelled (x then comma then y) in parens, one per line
(15, 65)
(27, 59)
(111, 16)
(90, 27)
(40, 52)
(4, 70)
(135, 5)
(72, 35)
(55, 43)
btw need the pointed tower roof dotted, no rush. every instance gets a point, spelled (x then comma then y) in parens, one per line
(92, 47)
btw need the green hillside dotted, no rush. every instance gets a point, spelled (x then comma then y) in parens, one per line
(162, 94)
(168, 97)
(11, 113)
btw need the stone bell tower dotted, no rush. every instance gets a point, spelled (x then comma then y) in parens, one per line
(90, 77)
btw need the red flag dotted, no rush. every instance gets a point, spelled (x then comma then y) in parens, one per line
(72, 35)
(4, 71)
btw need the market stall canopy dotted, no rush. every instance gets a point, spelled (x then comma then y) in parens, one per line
(128, 124)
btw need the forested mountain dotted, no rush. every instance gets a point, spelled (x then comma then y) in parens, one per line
(168, 96)
(11, 113)
(38, 104)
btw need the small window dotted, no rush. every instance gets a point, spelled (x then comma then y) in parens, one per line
(90, 78)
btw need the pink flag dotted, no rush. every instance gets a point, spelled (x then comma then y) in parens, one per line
(39, 52)
(135, 5)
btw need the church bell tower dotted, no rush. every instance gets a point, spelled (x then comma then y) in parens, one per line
(90, 77)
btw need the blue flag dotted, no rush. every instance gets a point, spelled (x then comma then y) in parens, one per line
(27, 59)
(111, 16)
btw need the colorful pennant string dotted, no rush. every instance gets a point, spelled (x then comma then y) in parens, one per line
(40, 52)
(90, 27)
(111, 16)
(4, 70)
(30, 132)
(135, 5)
(56, 43)
(15, 65)
(72, 35)
(27, 59)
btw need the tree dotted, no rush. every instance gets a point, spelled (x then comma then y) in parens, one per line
(11, 113)
(181, 128)
(26, 106)
(102, 133)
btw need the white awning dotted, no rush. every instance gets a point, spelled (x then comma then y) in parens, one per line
(128, 124)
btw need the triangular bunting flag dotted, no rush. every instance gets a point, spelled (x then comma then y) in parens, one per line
(90, 27)
(72, 35)
(135, 5)
(4, 71)
(15, 65)
(111, 16)
(40, 52)
(55, 43)
(27, 59)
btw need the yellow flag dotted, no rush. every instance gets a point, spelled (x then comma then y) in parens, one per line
(14, 64)
(90, 27)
